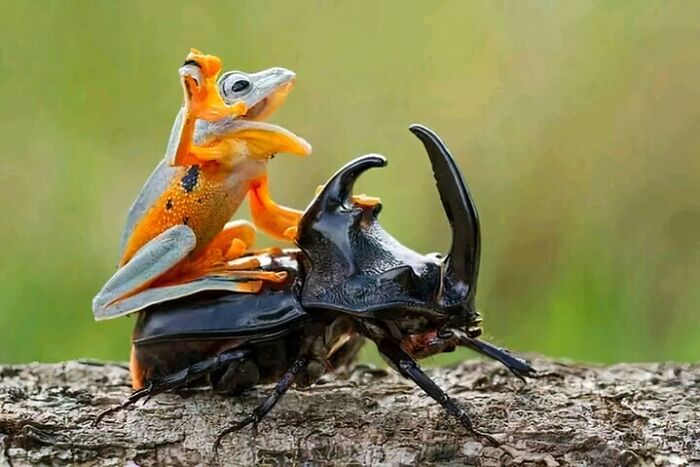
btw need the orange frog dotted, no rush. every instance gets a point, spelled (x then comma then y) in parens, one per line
(177, 240)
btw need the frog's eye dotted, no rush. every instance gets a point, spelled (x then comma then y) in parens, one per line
(234, 84)
(240, 85)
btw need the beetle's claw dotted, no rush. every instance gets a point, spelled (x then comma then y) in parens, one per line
(233, 428)
(104, 413)
(488, 437)
(466, 422)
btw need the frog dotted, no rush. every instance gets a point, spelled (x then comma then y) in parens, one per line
(178, 238)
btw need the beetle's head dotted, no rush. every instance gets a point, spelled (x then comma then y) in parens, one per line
(357, 267)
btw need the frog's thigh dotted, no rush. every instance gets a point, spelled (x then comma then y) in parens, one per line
(151, 261)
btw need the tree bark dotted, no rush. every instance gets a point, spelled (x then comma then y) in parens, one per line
(572, 414)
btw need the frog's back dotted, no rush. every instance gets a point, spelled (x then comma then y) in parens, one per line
(202, 197)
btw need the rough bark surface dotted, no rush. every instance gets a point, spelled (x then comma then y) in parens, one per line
(573, 414)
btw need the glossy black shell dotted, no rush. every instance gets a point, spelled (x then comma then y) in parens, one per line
(174, 335)
(358, 268)
(221, 316)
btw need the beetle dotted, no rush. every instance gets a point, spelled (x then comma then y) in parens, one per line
(349, 279)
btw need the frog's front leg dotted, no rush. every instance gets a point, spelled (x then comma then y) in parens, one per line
(149, 263)
(201, 101)
(202, 98)
(281, 222)
(277, 221)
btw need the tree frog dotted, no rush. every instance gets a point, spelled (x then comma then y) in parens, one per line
(177, 240)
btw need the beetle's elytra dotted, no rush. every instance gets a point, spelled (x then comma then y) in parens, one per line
(349, 280)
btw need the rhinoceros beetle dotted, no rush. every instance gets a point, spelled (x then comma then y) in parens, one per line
(349, 280)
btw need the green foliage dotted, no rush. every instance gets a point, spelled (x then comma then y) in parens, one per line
(576, 124)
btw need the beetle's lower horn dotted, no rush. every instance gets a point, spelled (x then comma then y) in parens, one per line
(463, 258)
(339, 188)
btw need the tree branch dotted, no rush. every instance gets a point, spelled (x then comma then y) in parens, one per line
(574, 414)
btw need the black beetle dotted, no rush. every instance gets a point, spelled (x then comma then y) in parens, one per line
(350, 278)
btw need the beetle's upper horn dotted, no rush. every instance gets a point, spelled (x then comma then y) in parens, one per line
(463, 258)
(339, 188)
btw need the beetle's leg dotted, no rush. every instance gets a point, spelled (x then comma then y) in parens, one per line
(179, 379)
(425, 345)
(520, 368)
(409, 368)
(264, 408)
(235, 379)
(148, 264)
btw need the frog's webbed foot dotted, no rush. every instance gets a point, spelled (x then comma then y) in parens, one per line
(160, 271)
(119, 296)
(202, 99)
(235, 240)
(363, 200)
(366, 201)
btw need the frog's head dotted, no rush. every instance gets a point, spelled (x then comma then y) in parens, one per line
(258, 94)
(263, 93)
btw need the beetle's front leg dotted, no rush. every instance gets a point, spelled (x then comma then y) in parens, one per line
(410, 369)
(425, 345)
(520, 368)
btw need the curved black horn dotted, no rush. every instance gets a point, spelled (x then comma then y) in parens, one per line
(339, 188)
(463, 258)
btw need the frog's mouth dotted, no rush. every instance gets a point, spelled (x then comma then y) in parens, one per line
(270, 103)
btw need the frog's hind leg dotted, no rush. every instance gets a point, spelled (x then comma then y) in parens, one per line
(148, 264)
(235, 238)
(224, 257)
(164, 293)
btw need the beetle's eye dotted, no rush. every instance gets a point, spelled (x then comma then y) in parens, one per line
(240, 85)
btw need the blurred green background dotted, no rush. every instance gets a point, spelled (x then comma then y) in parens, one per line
(577, 125)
